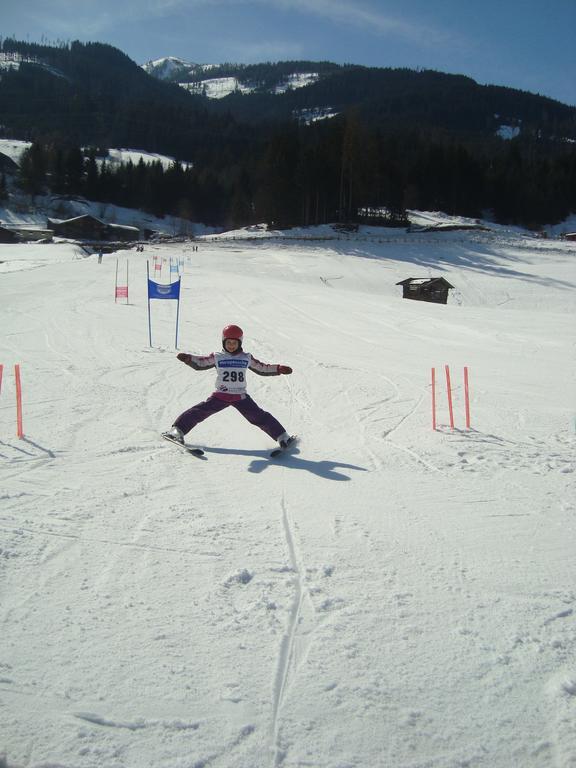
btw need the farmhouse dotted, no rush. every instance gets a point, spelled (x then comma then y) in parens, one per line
(90, 228)
(426, 289)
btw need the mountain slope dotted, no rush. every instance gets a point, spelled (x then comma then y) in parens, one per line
(381, 96)
(93, 93)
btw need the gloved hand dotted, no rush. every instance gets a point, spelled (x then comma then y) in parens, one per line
(284, 369)
(184, 357)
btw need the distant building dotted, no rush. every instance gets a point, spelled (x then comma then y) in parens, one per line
(90, 228)
(569, 236)
(7, 165)
(8, 236)
(433, 289)
(32, 234)
(122, 232)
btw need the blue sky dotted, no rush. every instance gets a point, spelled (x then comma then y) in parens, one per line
(527, 44)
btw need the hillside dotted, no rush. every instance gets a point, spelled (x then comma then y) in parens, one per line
(386, 596)
(381, 96)
(295, 143)
(94, 94)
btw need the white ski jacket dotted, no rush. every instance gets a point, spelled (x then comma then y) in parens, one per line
(231, 369)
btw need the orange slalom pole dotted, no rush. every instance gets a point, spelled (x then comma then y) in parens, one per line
(434, 398)
(467, 397)
(18, 401)
(449, 393)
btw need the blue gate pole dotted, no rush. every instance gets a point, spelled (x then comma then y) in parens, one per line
(148, 292)
(178, 310)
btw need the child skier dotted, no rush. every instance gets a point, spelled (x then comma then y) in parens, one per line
(231, 365)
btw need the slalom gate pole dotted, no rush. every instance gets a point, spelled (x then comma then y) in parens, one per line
(127, 302)
(178, 313)
(467, 397)
(18, 401)
(148, 294)
(434, 398)
(449, 393)
(116, 284)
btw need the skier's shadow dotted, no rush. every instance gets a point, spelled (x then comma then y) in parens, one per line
(262, 461)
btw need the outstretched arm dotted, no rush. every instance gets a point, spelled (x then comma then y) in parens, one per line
(199, 363)
(268, 369)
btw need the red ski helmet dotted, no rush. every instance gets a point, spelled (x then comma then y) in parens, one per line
(233, 332)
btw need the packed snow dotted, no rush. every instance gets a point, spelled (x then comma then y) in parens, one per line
(387, 596)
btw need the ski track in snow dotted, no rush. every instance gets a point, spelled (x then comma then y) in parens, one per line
(286, 656)
(286, 662)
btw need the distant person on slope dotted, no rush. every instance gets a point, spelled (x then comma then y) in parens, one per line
(231, 365)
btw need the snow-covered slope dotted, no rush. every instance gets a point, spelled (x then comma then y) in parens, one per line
(386, 597)
(14, 148)
(117, 156)
(174, 69)
(169, 67)
(219, 87)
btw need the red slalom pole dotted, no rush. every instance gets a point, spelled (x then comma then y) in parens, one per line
(449, 393)
(18, 400)
(467, 397)
(434, 398)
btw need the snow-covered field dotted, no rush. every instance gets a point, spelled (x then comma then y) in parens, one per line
(14, 148)
(386, 597)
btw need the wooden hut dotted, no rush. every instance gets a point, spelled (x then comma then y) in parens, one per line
(433, 289)
(80, 227)
(90, 228)
(9, 236)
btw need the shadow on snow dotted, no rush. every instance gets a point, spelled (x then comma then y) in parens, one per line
(262, 460)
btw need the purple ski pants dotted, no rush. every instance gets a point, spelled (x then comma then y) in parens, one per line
(247, 407)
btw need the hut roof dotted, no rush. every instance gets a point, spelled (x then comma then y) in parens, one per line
(425, 281)
(84, 217)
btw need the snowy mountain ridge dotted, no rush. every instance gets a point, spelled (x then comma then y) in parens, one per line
(195, 78)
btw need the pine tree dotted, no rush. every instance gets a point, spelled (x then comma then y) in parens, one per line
(32, 171)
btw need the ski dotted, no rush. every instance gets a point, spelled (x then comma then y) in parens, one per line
(280, 451)
(192, 449)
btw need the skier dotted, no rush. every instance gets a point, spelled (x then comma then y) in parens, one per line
(231, 365)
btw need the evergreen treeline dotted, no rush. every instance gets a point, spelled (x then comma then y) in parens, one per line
(404, 139)
(325, 173)
(263, 75)
(91, 93)
(393, 98)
